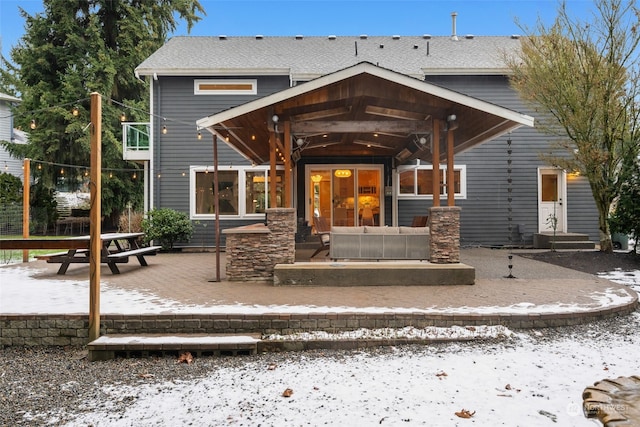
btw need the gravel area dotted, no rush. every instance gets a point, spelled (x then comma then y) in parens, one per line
(50, 386)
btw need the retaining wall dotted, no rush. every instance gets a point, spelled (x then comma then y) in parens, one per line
(62, 330)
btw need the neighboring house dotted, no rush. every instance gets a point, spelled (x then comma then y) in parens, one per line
(380, 166)
(9, 164)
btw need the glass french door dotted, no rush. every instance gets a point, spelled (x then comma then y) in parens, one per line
(347, 195)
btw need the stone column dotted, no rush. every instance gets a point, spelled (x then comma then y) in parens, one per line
(444, 228)
(282, 224)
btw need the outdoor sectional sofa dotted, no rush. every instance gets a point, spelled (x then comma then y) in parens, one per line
(379, 243)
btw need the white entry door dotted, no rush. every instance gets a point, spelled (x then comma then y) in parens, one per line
(551, 200)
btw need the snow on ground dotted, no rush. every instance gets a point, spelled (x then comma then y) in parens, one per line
(517, 382)
(514, 379)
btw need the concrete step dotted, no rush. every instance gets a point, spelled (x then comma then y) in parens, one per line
(145, 345)
(365, 273)
(547, 240)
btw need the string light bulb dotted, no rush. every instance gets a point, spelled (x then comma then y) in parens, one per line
(33, 124)
(199, 135)
(164, 130)
(110, 174)
(75, 112)
(135, 175)
(123, 117)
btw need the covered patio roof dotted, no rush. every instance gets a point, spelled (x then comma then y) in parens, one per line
(363, 110)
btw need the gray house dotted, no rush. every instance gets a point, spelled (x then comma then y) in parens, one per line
(9, 134)
(353, 127)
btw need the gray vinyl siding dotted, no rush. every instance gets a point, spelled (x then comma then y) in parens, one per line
(9, 164)
(485, 211)
(179, 148)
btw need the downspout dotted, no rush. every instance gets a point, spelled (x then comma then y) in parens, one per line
(152, 162)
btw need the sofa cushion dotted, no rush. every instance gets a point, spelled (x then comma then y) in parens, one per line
(414, 230)
(347, 230)
(381, 230)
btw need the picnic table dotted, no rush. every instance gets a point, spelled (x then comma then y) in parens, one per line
(116, 248)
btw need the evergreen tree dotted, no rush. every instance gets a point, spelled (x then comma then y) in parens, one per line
(74, 48)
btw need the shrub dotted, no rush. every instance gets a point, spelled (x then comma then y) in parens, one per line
(167, 226)
(130, 223)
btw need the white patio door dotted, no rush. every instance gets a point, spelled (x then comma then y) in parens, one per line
(552, 200)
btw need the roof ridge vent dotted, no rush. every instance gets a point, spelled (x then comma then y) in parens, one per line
(426, 36)
(395, 37)
(469, 36)
(363, 36)
(259, 36)
(515, 36)
(222, 37)
(332, 37)
(299, 36)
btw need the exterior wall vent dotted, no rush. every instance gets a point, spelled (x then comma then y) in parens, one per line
(331, 37)
(395, 37)
(426, 36)
(222, 37)
(299, 37)
(363, 36)
(259, 37)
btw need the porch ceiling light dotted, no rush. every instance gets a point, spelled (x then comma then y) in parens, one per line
(342, 173)
(316, 178)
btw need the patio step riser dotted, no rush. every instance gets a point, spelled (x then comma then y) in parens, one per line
(114, 346)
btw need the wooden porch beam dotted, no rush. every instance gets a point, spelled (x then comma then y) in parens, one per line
(321, 114)
(395, 113)
(357, 126)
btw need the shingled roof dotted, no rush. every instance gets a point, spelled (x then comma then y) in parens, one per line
(306, 58)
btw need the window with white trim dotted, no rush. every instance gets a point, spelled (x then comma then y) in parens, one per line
(243, 191)
(417, 181)
(225, 87)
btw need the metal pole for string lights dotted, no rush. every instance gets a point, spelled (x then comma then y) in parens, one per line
(95, 243)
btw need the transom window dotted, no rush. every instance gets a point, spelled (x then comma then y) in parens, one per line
(225, 87)
(243, 192)
(417, 181)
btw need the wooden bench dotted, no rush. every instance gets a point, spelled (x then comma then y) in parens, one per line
(47, 257)
(138, 253)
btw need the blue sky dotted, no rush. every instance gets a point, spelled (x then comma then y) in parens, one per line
(342, 17)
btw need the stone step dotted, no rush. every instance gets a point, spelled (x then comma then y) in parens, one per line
(144, 345)
(547, 240)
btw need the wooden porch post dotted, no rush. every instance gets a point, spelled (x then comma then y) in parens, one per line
(216, 203)
(435, 155)
(451, 199)
(287, 165)
(26, 194)
(273, 203)
(95, 243)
